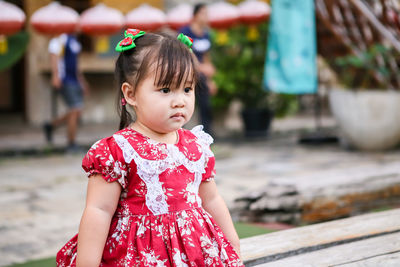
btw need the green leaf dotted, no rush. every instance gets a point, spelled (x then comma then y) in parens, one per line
(17, 45)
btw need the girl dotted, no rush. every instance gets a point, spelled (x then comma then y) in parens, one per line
(151, 197)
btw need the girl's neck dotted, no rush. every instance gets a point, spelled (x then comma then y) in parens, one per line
(167, 138)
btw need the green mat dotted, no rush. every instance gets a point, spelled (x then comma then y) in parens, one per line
(51, 262)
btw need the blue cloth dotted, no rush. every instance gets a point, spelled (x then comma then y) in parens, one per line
(73, 95)
(201, 43)
(71, 52)
(291, 65)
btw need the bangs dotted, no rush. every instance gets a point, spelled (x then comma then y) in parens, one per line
(175, 65)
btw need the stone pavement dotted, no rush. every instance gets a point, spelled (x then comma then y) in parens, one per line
(42, 197)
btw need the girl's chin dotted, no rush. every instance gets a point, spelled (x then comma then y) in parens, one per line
(171, 128)
(176, 127)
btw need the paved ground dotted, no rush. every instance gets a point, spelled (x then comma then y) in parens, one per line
(42, 197)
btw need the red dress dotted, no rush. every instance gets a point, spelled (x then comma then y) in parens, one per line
(159, 220)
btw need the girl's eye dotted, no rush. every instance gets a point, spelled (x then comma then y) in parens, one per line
(165, 90)
(188, 89)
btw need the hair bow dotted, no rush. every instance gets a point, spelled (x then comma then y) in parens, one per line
(186, 40)
(128, 42)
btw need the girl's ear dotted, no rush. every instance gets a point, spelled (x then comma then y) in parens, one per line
(129, 94)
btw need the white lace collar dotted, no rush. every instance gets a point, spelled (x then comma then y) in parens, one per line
(150, 169)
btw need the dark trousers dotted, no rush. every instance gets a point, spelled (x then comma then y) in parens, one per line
(204, 104)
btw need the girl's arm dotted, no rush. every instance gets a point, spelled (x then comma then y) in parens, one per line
(101, 202)
(215, 205)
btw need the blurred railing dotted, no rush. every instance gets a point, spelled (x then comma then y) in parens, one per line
(355, 27)
(388, 13)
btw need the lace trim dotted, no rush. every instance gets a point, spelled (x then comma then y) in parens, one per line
(149, 170)
(204, 139)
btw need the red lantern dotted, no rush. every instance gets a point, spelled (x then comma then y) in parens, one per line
(253, 12)
(179, 16)
(146, 18)
(101, 20)
(55, 19)
(222, 15)
(12, 18)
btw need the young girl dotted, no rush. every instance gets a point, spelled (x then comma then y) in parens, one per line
(151, 197)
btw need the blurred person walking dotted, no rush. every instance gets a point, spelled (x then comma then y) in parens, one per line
(69, 82)
(198, 31)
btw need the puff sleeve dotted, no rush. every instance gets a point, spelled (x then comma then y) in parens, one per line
(205, 140)
(105, 158)
(209, 169)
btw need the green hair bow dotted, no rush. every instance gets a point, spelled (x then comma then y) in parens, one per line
(186, 40)
(128, 42)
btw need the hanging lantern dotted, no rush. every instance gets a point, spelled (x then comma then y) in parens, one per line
(146, 18)
(101, 21)
(253, 12)
(179, 16)
(12, 19)
(55, 19)
(221, 16)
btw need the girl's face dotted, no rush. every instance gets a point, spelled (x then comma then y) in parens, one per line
(163, 109)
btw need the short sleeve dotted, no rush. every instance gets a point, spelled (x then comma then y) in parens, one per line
(209, 169)
(205, 140)
(105, 158)
(55, 46)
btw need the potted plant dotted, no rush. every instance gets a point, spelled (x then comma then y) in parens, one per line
(239, 62)
(367, 110)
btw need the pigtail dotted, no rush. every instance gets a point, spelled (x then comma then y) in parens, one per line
(120, 78)
(125, 116)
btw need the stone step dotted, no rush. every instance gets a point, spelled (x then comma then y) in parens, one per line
(372, 252)
(329, 243)
(324, 195)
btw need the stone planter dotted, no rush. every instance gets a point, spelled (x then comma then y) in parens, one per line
(369, 120)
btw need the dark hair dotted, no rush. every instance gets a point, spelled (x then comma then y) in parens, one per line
(197, 8)
(172, 60)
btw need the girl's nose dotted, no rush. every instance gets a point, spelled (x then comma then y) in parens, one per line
(178, 100)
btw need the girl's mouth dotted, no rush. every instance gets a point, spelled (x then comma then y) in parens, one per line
(178, 116)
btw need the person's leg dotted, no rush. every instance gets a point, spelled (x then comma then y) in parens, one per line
(73, 98)
(72, 123)
(60, 120)
(203, 100)
(50, 126)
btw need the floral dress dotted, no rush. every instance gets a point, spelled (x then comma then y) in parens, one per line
(159, 220)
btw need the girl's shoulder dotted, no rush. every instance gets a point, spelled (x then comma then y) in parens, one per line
(198, 135)
(105, 144)
(105, 158)
(128, 144)
(106, 147)
(124, 142)
(195, 143)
